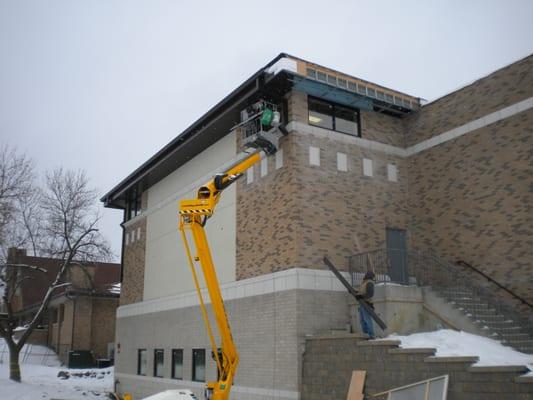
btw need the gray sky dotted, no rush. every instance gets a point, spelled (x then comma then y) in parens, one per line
(102, 85)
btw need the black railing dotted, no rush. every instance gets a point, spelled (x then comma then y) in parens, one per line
(425, 268)
(495, 282)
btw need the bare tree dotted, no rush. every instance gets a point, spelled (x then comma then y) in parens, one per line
(68, 219)
(16, 183)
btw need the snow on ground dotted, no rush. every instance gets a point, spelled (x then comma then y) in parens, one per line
(42, 383)
(453, 343)
(40, 367)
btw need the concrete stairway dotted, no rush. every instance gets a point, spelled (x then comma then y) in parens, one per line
(329, 360)
(497, 323)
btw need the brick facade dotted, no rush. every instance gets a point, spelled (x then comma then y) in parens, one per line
(133, 258)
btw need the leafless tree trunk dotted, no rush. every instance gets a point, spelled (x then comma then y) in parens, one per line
(65, 212)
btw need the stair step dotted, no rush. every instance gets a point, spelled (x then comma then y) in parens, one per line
(413, 350)
(450, 359)
(498, 368)
(524, 379)
(379, 342)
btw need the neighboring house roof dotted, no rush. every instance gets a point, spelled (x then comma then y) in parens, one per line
(272, 81)
(32, 291)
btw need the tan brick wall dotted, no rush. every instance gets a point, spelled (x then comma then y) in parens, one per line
(471, 199)
(295, 215)
(133, 264)
(383, 128)
(502, 88)
(103, 325)
(82, 323)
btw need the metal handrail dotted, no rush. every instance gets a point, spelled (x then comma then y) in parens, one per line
(425, 268)
(492, 280)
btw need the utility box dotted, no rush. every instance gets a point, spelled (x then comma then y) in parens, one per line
(81, 359)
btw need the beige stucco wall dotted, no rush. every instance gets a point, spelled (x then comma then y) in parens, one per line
(167, 271)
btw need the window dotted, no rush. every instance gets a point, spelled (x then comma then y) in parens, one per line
(346, 121)
(133, 204)
(352, 86)
(321, 76)
(198, 365)
(159, 362)
(177, 363)
(332, 80)
(320, 113)
(311, 73)
(341, 82)
(333, 116)
(141, 362)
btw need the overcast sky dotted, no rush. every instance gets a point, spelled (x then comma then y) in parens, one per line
(102, 85)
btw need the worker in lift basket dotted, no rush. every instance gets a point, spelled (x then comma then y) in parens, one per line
(365, 292)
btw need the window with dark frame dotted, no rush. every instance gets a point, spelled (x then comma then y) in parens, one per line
(177, 363)
(198, 365)
(159, 362)
(141, 362)
(133, 204)
(333, 116)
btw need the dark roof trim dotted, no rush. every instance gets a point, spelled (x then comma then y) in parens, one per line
(192, 130)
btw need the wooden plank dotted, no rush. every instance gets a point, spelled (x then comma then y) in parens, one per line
(355, 392)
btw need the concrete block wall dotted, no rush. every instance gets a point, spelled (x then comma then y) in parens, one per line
(328, 364)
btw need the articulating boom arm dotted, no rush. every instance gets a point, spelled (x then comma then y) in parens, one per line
(193, 217)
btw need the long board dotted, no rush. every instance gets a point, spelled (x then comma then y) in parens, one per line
(352, 291)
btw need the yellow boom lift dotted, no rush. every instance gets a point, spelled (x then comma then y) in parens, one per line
(262, 131)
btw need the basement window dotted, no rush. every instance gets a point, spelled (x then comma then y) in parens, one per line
(198, 365)
(159, 362)
(177, 363)
(141, 362)
(333, 116)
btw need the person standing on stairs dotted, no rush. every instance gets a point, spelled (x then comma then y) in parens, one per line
(366, 292)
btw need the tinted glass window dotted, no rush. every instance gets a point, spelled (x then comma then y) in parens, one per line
(346, 120)
(320, 113)
(177, 363)
(198, 365)
(159, 355)
(141, 362)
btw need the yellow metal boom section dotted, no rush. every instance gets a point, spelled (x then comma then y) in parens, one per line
(193, 216)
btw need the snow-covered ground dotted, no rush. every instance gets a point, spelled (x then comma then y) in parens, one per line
(40, 368)
(453, 343)
(41, 382)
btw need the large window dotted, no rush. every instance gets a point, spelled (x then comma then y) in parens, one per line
(141, 362)
(177, 363)
(198, 365)
(159, 362)
(333, 116)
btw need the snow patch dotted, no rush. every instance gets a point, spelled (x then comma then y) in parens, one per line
(448, 342)
(284, 63)
(43, 383)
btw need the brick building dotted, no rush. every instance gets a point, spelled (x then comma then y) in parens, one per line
(363, 168)
(80, 316)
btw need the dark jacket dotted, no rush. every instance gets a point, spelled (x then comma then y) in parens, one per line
(366, 289)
